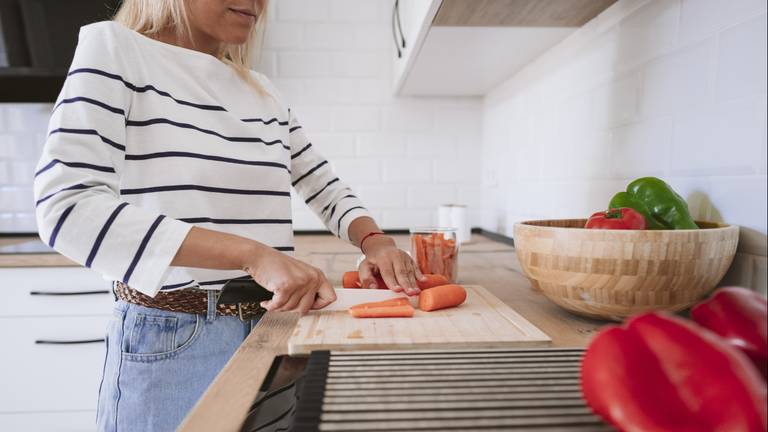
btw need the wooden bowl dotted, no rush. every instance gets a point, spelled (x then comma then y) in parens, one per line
(612, 274)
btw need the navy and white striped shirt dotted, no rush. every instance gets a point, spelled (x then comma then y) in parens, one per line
(148, 139)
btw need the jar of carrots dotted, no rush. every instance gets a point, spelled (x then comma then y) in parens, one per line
(436, 251)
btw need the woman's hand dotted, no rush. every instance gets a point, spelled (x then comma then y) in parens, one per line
(295, 284)
(395, 266)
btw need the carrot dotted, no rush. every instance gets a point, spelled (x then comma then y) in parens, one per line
(400, 301)
(351, 279)
(442, 297)
(402, 311)
(432, 281)
(421, 256)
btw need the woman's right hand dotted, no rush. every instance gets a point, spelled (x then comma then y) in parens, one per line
(296, 285)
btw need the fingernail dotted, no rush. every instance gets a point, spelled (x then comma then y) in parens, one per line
(373, 285)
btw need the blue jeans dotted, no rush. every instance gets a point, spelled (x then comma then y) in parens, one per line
(159, 363)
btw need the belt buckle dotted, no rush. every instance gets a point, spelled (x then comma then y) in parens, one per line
(240, 312)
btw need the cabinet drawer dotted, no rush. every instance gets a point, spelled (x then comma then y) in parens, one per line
(54, 291)
(74, 421)
(51, 376)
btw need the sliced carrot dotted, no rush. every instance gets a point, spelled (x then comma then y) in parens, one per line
(432, 281)
(400, 301)
(442, 297)
(351, 279)
(401, 311)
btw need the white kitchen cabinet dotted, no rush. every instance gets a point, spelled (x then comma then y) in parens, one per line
(73, 421)
(54, 291)
(52, 323)
(467, 47)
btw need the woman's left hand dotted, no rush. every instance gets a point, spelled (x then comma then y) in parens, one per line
(382, 257)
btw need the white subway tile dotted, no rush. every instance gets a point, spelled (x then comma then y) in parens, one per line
(355, 119)
(359, 10)
(313, 119)
(615, 103)
(470, 196)
(334, 145)
(465, 171)
(408, 171)
(327, 36)
(431, 196)
(463, 122)
(678, 82)
(292, 90)
(25, 222)
(697, 193)
(360, 65)
(381, 144)
(436, 146)
(16, 199)
(5, 172)
(721, 140)
(302, 10)
(389, 196)
(303, 64)
(741, 60)
(7, 145)
(284, 35)
(702, 18)
(357, 171)
(741, 201)
(647, 33)
(403, 219)
(7, 223)
(404, 118)
(641, 149)
(23, 172)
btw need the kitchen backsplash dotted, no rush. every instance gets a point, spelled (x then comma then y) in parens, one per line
(332, 61)
(668, 88)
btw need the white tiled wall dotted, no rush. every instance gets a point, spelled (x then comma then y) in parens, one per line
(332, 60)
(670, 88)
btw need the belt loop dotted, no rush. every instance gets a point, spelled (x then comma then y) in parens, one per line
(213, 297)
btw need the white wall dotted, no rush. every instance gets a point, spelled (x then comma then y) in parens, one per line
(332, 60)
(668, 88)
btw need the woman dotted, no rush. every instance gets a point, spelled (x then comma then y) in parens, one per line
(168, 168)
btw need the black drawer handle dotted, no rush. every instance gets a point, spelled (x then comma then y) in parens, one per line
(68, 342)
(67, 293)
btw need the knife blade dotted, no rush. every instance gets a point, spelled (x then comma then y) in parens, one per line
(348, 297)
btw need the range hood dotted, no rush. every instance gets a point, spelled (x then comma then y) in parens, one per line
(37, 42)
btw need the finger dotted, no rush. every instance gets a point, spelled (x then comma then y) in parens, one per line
(412, 271)
(306, 302)
(293, 301)
(325, 295)
(365, 271)
(277, 301)
(405, 277)
(416, 270)
(387, 273)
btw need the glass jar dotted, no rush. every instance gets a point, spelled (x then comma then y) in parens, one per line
(436, 251)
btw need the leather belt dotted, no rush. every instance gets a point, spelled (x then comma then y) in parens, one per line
(188, 300)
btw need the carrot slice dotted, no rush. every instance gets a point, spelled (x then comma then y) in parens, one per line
(442, 297)
(402, 311)
(351, 279)
(432, 281)
(400, 301)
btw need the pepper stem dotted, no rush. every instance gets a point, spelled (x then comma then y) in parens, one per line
(613, 214)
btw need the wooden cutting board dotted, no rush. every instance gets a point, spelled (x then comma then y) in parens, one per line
(483, 321)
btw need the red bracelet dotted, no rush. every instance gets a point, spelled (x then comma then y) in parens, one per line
(370, 234)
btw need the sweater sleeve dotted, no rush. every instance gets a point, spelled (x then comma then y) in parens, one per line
(77, 182)
(313, 178)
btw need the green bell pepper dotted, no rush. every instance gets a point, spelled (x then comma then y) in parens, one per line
(661, 206)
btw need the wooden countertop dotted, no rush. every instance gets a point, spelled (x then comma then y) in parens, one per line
(31, 259)
(482, 262)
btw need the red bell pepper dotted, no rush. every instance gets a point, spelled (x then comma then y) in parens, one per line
(661, 373)
(740, 316)
(617, 218)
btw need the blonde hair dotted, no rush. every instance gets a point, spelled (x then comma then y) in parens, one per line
(151, 17)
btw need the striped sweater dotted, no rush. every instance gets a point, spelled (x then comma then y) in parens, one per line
(148, 139)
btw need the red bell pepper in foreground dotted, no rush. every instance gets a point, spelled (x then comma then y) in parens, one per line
(617, 218)
(740, 316)
(661, 373)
